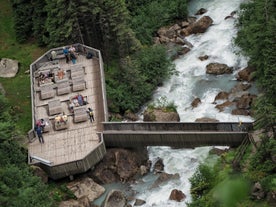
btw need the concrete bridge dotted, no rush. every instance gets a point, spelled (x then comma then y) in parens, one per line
(174, 134)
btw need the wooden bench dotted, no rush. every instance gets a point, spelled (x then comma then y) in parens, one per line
(80, 114)
(78, 84)
(47, 92)
(63, 88)
(54, 107)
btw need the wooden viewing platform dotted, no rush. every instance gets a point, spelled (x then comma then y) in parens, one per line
(76, 145)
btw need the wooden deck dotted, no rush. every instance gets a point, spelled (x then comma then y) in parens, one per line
(77, 140)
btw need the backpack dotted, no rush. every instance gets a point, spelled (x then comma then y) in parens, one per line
(91, 113)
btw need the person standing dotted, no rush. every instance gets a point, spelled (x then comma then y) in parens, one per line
(66, 53)
(91, 114)
(39, 134)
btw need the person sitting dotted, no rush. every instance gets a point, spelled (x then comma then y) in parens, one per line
(64, 118)
(41, 77)
(80, 99)
(60, 73)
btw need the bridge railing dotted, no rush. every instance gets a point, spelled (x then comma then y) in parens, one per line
(178, 126)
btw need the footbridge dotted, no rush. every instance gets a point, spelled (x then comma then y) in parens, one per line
(174, 134)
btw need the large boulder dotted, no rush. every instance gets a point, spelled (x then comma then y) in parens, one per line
(246, 74)
(8, 68)
(218, 69)
(199, 26)
(195, 102)
(177, 195)
(161, 115)
(222, 95)
(163, 178)
(86, 187)
(221, 107)
(119, 165)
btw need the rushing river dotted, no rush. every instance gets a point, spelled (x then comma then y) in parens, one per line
(191, 82)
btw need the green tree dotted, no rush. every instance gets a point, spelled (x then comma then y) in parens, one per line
(62, 24)
(23, 11)
(256, 37)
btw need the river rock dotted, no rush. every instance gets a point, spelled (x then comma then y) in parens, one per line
(177, 195)
(158, 165)
(195, 102)
(243, 112)
(139, 202)
(161, 115)
(199, 26)
(115, 198)
(246, 74)
(221, 107)
(245, 101)
(239, 87)
(222, 95)
(201, 11)
(86, 187)
(8, 68)
(164, 177)
(218, 69)
(204, 57)
(119, 165)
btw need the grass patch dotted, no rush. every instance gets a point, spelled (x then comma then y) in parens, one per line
(17, 89)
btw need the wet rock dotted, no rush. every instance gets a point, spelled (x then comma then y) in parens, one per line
(115, 198)
(221, 95)
(242, 112)
(143, 170)
(201, 11)
(119, 165)
(8, 68)
(139, 202)
(204, 57)
(177, 195)
(246, 74)
(218, 69)
(164, 177)
(158, 165)
(221, 107)
(195, 102)
(240, 87)
(245, 101)
(217, 151)
(199, 26)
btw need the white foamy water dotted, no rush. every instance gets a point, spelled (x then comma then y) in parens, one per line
(193, 82)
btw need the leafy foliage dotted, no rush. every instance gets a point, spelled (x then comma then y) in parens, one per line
(140, 75)
(202, 181)
(18, 186)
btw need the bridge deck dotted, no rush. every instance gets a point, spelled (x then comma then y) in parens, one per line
(76, 140)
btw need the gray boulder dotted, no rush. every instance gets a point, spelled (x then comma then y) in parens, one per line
(8, 68)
